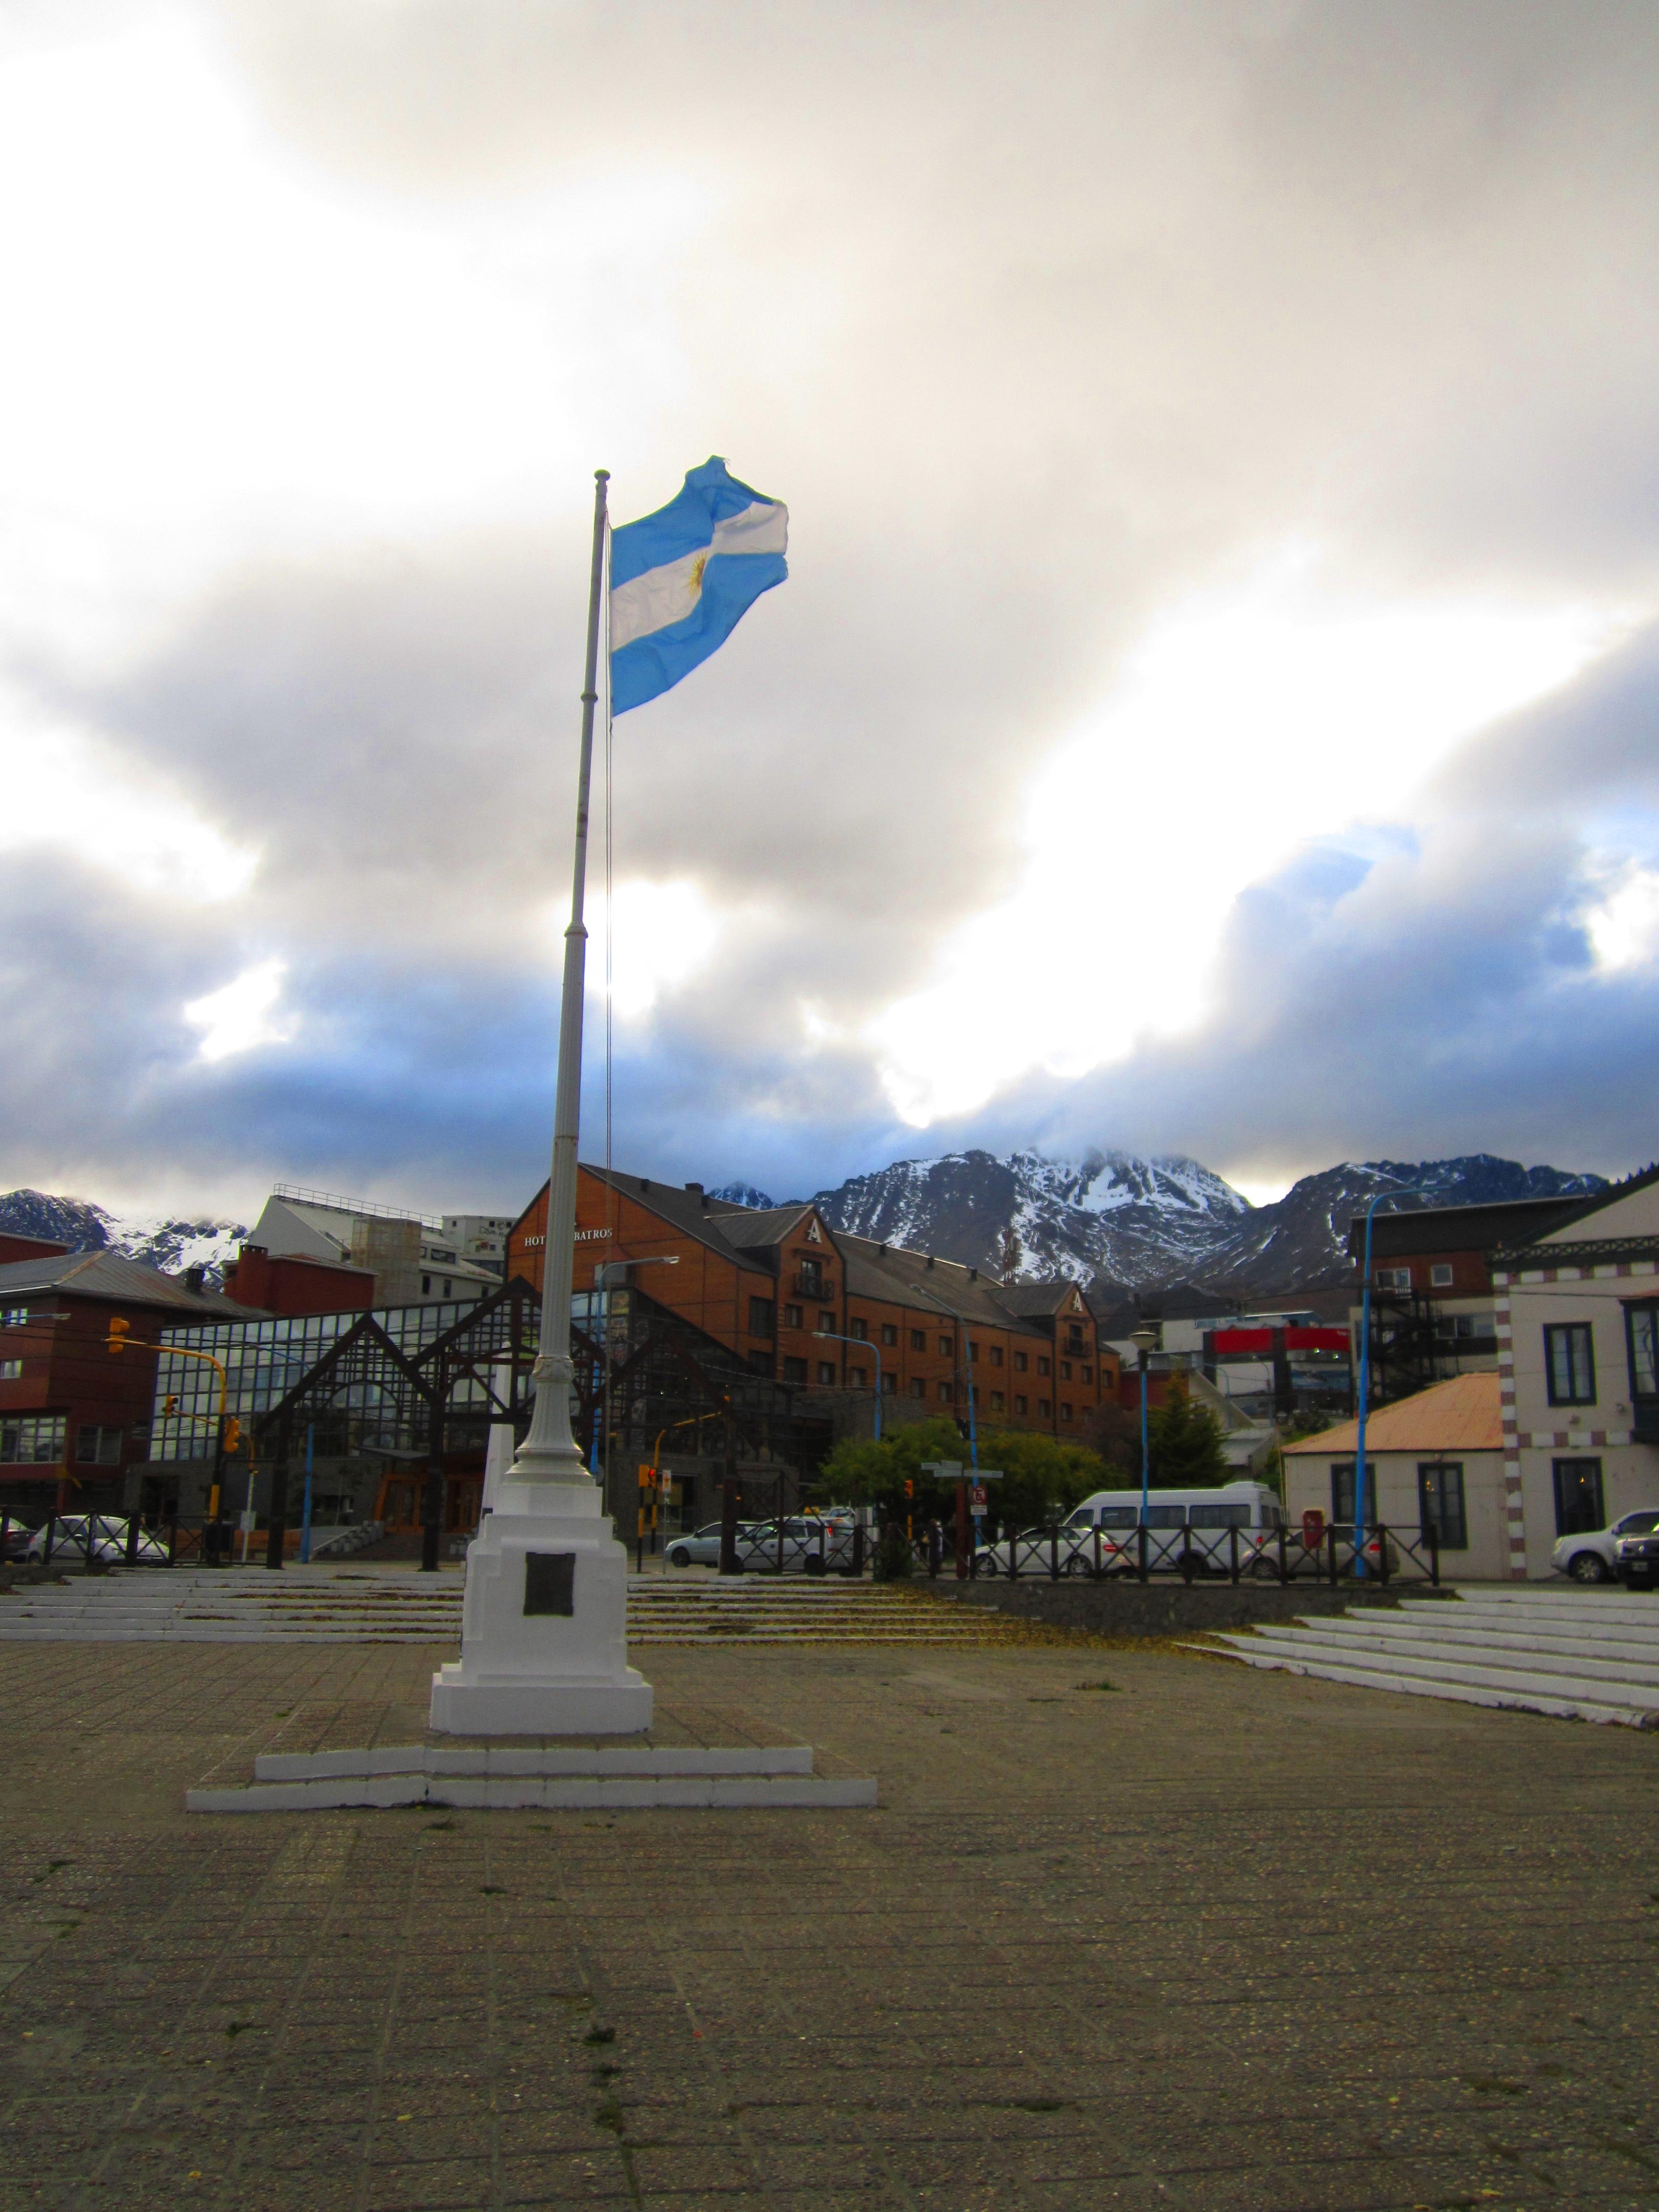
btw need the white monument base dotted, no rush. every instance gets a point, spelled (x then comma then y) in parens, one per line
(543, 1623)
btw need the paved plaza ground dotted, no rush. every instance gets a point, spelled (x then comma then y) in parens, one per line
(1206, 1938)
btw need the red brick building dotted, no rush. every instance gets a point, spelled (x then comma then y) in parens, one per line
(74, 1416)
(809, 1305)
(294, 1283)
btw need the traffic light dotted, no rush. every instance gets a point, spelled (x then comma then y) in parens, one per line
(118, 1334)
(170, 1404)
(233, 1435)
(909, 1487)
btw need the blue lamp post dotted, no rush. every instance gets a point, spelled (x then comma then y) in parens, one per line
(1145, 1341)
(1364, 1398)
(863, 1344)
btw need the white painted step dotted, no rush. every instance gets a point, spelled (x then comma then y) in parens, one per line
(1583, 1677)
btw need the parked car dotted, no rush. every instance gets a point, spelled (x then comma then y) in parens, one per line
(68, 1534)
(810, 1544)
(1636, 1558)
(702, 1548)
(1593, 1556)
(17, 1540)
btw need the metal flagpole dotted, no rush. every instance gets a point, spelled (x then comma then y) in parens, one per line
(549, 1453)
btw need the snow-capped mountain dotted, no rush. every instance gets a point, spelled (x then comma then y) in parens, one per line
(1138, 1221)
(158, 1240)
(1147, 1224)
(743, 1194)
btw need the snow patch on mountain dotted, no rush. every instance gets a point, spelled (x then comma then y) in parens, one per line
(158, 1240)
(745, 1195)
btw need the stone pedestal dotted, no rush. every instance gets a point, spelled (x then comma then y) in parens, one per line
(543, 1623)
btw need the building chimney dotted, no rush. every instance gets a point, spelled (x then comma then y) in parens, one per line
(194, 1277)
(973, 1274)
(930, 1259)
(696, 1188)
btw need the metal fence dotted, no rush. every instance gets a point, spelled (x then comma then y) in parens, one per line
(1055, 1553)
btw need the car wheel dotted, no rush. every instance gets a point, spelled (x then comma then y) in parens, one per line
(987, 1568)
(678, 1556)
(1587, 1567)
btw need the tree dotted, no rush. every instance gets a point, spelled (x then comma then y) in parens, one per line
(1043, 1478)
(1183, 1441)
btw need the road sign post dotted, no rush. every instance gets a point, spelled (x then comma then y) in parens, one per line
(952, 1470)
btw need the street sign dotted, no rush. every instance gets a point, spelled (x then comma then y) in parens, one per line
(948, 1470)
(976, 1498)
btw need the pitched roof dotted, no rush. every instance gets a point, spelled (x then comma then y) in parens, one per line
(887, 1271)
(1409, 1229)
(127, 1282)
(1042, 1298)
(1461, 1415)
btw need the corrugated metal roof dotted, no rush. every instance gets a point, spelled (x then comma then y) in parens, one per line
(113, 1275)
(1461, 1415)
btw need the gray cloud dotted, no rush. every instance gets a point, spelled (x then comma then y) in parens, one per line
(1038, 321)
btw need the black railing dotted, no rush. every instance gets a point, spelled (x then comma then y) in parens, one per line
(111, 1539)
(1055, 1552)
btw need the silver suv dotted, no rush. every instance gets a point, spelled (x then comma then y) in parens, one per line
(1593, 1556)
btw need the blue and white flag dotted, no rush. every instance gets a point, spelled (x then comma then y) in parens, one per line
(682, 579)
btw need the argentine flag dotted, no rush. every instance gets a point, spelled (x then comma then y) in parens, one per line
(682, 579)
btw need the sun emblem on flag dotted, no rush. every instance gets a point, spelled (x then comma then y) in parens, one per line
(694, 582)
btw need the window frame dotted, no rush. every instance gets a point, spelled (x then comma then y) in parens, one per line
(1646, 1312)
(1452, 1529)
(1569, 1332)
(1575, 1466)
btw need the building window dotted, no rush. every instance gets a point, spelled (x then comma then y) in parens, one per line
(1342, 1482)
(1064, 1371)
(760, 1363)
(996, 1402)
(1578, 1509)
(827, 1323)
(996, 1355)
(426, 1286)
(1641, 1324)
(448, 1286)
(1088, 1373)
(794, 1371)
(945, 1393)
(1064, 1409)
(791, 1318)
(1021, 1363)
(36, 1441)
(97, 1447)
(826, 1371)
(918, 1387)
(859, 1329)
(918, 1339)
(11, 1370)
(972, 1351)
(811, 1277)
(859, 1377)
(1440, 1501)
(946, 1347)
(1022, 1405)
(889, 1382)
(1569, 1363)
(1440, 1276)
(1042, 1365)
(1043, 1407)
(762, 1317)
(14, 1318)
(890, 1332)
(1394, 1279)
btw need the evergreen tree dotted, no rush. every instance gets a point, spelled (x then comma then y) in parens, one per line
(1184, 1442)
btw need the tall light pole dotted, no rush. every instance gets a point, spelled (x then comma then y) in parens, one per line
(1364, 1394)
(1145, 1341)
(863, 1344)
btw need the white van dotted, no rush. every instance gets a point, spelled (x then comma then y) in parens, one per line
(1101, 1535)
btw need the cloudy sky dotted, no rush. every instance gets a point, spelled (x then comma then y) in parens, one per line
(1213, 709)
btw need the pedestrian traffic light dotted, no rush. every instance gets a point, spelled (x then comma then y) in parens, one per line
(118, 1334)
(232, 1434)
(909, 1487)
(170, 1404)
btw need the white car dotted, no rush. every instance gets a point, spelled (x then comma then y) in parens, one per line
(1591, 1558)
(702, 1548)
(68, 1532)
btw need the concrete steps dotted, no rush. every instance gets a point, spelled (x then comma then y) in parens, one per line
(1578, 1654)
(315, 1605)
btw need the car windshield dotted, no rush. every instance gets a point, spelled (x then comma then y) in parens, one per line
(1639, 1524)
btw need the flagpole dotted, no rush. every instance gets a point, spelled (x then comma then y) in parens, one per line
(549, 1453)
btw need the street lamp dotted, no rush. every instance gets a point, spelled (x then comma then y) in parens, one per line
(1145, 1341)
(1364, 1394)
(863, 1344)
